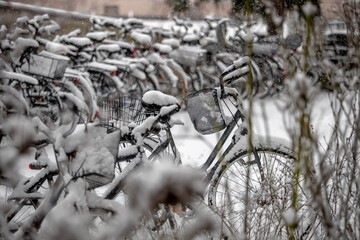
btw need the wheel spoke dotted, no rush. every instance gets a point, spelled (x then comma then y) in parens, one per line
(269, 189)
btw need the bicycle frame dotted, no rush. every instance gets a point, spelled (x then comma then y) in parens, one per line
(213, 155)
(32, 186)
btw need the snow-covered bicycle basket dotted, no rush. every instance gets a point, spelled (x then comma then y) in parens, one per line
(46, 64)
(121, 112)
(189, 55)
(205, 111)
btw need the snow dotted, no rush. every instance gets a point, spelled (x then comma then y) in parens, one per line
(14, 98)
(120, 64)
(237, 73)
(79, 103)
(137, 72)
(69, 218)
(49, 29)
(190, 38)
(173, 42)
(23, 43)
(99, 36)
(162, 48)
(22, 20)
(57, 48)
(177, 67)
(188, 55)
(141, 38)
(108, 47)
(21, 131)
(92, 160)
(118, 22)
(290, 217)
(166, 110)
(101, 66)
(127, 152)
(156, 58)
(247, 36)
(159, 98)
(54, 56)
(84, 80)
(79, 41)
(169, 74)
(19, 77)
(125, 45)
(309, 9)
(133, 22)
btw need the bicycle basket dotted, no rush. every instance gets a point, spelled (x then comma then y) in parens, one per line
(121, 112)
(46, 64)
(96, 165)
(204, 111)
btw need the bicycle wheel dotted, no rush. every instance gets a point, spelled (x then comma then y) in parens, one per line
(151, 82)
(149, 143)
(254, 194)
(197, 79)
(43, 101)
(133, 87)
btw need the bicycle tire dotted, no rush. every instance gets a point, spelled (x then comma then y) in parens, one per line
(151, 82)
(133, 87)
(268, 85)
(197, 79)
(259, 202)
(50, 106)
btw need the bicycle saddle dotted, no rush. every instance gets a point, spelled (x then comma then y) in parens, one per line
(154, 100)
(99, 36)
(79, 42)
(111, 48)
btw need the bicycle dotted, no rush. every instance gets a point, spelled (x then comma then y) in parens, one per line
(266, 166)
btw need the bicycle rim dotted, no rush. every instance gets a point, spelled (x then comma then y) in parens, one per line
(254, 199)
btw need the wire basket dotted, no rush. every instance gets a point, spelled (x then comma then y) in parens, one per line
(121, 112)
(205, 111)
(46, 64)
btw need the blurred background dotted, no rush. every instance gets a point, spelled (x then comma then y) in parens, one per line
(163, 9)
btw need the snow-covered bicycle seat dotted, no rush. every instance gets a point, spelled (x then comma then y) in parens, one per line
(79, 41)
(154, 100)
(99, 36)
(111, 48)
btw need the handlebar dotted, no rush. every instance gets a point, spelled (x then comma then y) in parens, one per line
(152, 124)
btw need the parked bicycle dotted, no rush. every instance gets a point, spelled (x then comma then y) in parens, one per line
(251, 183)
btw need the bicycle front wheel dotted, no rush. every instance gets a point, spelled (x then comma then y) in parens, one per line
(254, 193)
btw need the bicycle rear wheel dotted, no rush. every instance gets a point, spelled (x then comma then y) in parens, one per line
(254, 195)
